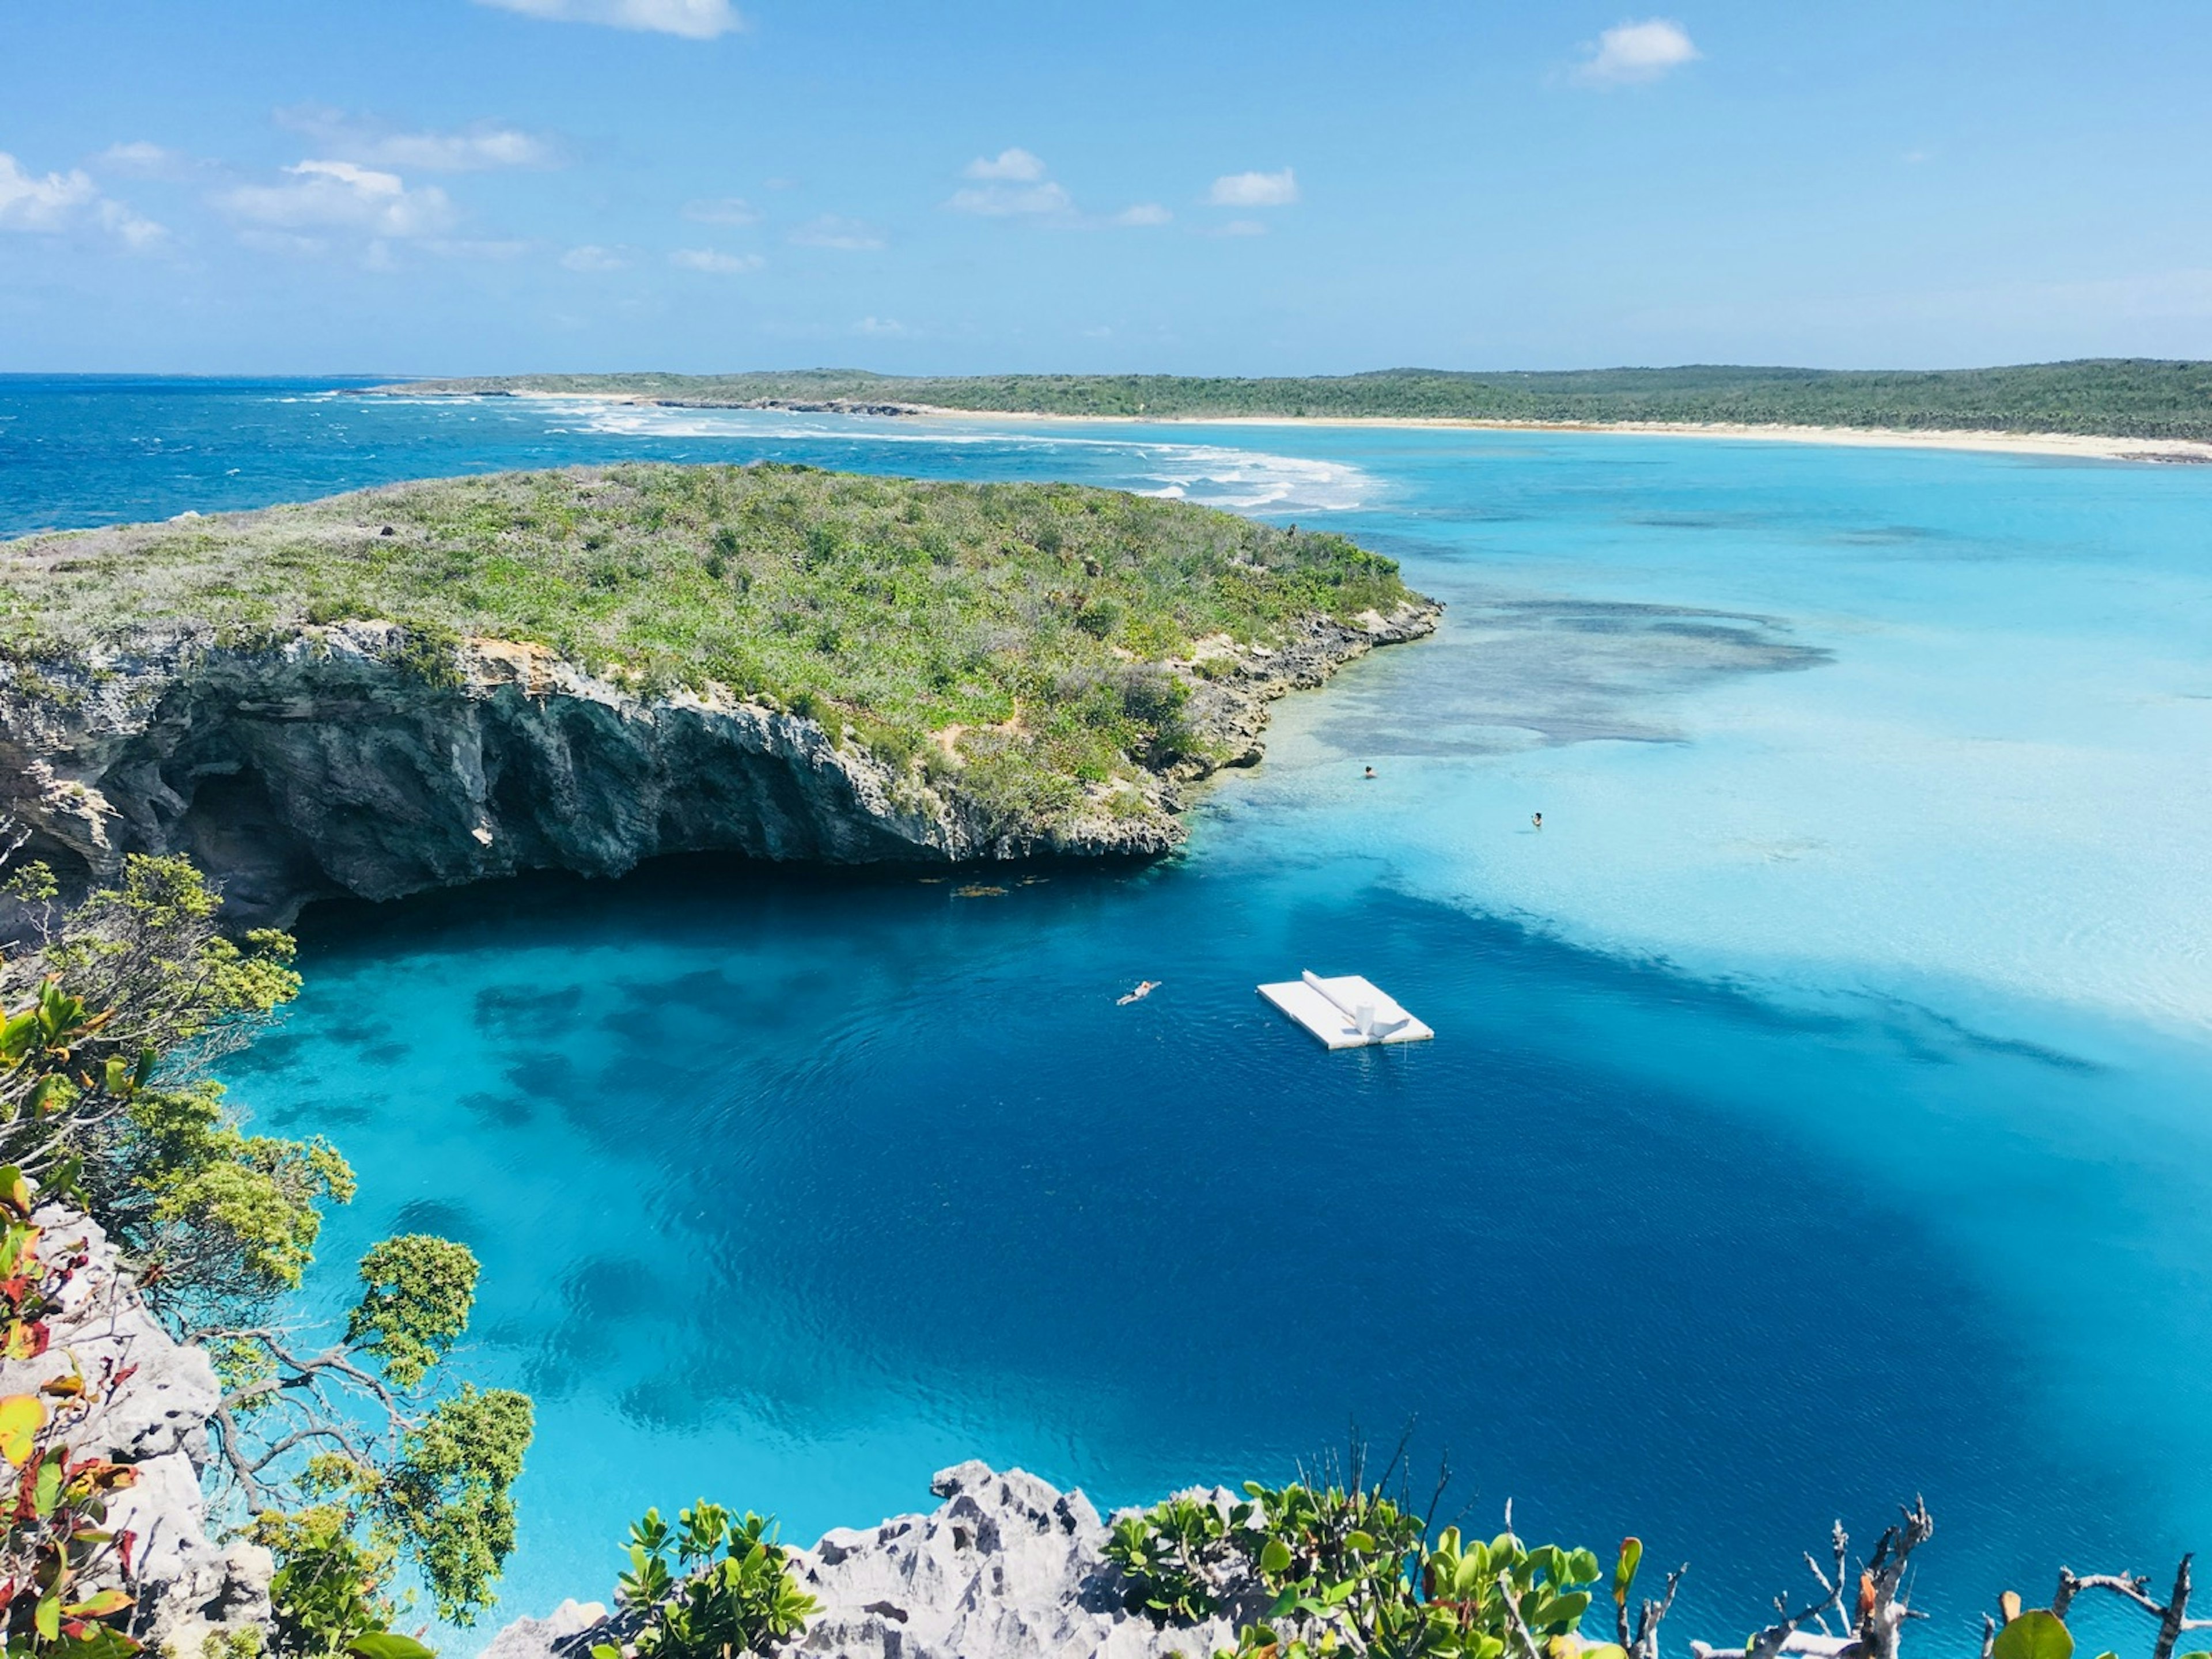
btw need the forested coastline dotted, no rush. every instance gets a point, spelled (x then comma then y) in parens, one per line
(2121, 397)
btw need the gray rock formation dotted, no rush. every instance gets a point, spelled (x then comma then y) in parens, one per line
(155, 1419)
(1005, 1567)
(328, 763)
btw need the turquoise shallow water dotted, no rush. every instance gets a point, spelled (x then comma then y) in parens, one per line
(1818, 1113)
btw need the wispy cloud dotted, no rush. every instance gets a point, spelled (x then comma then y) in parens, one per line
(1015, 184)
(721, 210)
(720, 264)
(1251, 190)
(143, 160)
(342, 195)
(1011, 184)
(1044, 199)
(695, 20)
(881, 327)
(1016, 165)
(30, 203)
(846, 235)
(1242, 228)
(593, 258)
(477, 148)
(1631, 54)
(63, 201)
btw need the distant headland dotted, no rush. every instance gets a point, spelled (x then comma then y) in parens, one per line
(2124, 408)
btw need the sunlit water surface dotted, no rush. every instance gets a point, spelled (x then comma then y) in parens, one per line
(1818, 1113)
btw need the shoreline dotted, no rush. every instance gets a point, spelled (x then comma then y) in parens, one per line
(2168, 451)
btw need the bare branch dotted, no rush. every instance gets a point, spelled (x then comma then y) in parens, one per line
(1524, 1641)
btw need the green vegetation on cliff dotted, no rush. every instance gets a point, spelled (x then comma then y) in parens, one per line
(1033, 618)
(2126, 397)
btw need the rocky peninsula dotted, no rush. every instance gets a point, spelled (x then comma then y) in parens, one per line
(434, 684)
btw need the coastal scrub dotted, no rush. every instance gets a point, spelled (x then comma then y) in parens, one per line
(1037, 638)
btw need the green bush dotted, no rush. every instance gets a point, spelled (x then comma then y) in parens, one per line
(710, 1588)
(1177, 1558)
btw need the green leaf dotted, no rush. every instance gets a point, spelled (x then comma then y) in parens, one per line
(1361, 1541)
(388, 1644)
(2037, 1634)
(48, 1490)
(48, 1618)
(1275, 1558)
(1623, 1570)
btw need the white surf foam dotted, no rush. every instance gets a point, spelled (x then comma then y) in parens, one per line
(1242, 480)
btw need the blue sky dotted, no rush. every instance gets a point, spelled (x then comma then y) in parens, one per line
(1203, 186)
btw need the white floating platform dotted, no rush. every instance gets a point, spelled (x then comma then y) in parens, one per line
(1348, 1013)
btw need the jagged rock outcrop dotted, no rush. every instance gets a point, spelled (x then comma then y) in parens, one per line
(154, 1419)
(1007, 1567)
(332, 763)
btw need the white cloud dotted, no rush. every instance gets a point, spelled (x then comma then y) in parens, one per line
(1630, 54)
(29, 202)
(695, 20)
(138, 232)
(721, 210)
(1243, 227)
(1015, 184)
(846, 235)
(61, 201)
(1251, 190)
(881, 327)
(341, 194)
(593, 258)
(1009, 201)
(1016, 165)
(722, 264)
(473, 149)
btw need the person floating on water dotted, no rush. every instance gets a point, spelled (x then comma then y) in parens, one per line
(1370, 771)
(1536, 818)
(1144, 988)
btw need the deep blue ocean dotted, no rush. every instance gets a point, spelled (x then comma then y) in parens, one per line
(1818, 1114)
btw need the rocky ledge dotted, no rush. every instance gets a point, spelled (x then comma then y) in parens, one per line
(146, 1403)
(331, 764)
(1007, 1567)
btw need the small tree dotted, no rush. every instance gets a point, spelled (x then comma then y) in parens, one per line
(350, 1462)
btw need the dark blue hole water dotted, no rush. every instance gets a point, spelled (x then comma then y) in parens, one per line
(1817, 1113)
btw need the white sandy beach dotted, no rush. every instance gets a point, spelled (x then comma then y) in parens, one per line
(2076, 445)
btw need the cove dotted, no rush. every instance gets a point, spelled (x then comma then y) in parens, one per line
(1816, 1116)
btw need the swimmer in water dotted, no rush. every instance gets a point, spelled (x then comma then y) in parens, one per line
(1536, 818)
(1370, 771)
(1144, 988)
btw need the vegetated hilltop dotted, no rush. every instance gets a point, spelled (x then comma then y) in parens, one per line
(434, 682)
(2124, 398)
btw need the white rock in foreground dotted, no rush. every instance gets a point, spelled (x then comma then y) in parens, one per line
(1008, 1567)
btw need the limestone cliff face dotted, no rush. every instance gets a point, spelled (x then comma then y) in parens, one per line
(149, 1409)
(329, 763)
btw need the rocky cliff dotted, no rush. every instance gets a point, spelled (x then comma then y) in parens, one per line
(334, 761)
(148, 1406)
(1005, 1567)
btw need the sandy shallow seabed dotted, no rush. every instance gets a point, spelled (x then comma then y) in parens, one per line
(2077, 445)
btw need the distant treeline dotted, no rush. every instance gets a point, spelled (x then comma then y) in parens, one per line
(2130, 398)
